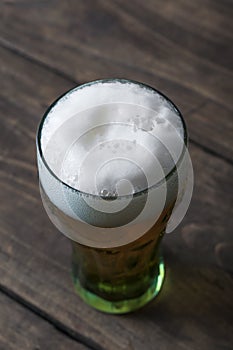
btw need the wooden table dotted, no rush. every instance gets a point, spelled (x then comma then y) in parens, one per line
(183, 48)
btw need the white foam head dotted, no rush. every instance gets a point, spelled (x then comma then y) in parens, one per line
(104, 132)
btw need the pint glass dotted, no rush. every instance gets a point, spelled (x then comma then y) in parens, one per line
(112, 168)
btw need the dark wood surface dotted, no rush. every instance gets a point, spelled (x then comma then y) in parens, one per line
(183, 48)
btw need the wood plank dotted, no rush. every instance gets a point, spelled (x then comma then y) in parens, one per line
(211, 20)
(29, 85)
(207, 225)
(22, 329)
(212, 126)
(124, 39)
(205, 34)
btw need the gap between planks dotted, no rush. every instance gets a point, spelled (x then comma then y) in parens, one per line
(51, 320)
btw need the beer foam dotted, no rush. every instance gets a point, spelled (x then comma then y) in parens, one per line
(104, 132)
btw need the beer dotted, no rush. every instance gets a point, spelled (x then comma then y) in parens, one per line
(110, 165)
(115, 279)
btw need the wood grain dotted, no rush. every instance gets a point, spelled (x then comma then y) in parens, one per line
(126, 39)
(183, 48)
(212, 127)
(22, 329)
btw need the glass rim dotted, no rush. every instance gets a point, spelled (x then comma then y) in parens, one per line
(103, 81)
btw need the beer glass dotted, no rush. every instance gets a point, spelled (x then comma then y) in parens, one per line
(113, 169)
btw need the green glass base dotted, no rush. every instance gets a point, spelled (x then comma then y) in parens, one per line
(123, 306)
